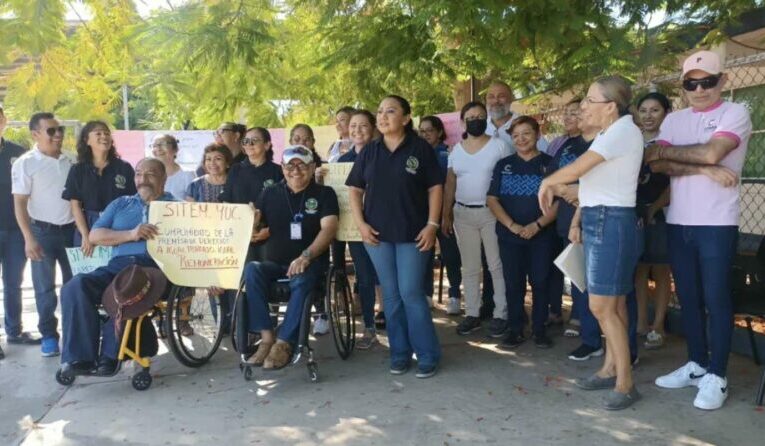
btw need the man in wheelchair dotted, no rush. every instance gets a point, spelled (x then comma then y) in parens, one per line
(301, 218)
(124, 226)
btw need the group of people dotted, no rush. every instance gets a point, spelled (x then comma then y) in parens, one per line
(502, 204)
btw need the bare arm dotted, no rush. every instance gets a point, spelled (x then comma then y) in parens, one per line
(356, 200)
(426, 239)
(31, 248)
(575, 230)
(711, 152)
(450, 189)
(720, 174)
(319, 245)
(82, 225)
(502, 217)
(567, 175)
(110, 237)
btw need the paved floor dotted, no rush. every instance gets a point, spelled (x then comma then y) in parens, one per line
(480, 396)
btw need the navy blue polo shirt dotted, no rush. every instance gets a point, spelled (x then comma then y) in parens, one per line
(515, 183)
(95, 191)
(396, 186)
(570, 150)
(349, 156)
(246, 181)
(280, 207)
(8, 154)
(442, 153)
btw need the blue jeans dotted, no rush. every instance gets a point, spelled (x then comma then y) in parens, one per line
(81, 324)
(259, 276)
(521, 261)
(12, 261)
(701, 259)
(54, 240)
(450, 256)
(365, 279)
(401, 270)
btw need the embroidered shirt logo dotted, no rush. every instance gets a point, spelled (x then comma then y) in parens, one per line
(412, 164)
(269, 182)
(120, 182)
(311, 206)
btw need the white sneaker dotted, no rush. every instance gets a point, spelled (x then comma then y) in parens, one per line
(688, 375)
(713, 391)
(453, 307)
(320, 326)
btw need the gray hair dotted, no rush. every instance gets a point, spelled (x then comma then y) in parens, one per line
(616, 89)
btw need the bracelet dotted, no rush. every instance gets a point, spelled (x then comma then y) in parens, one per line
(538, 225)
(432, 223)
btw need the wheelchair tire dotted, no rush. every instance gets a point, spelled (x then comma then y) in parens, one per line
(64, 379)
(313, 372)
(184, 311)
(142, 380)
(339, 305)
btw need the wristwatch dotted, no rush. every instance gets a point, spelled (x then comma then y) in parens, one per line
(306, 254)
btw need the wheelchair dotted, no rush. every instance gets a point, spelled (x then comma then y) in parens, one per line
(189, 319)
(334, 292)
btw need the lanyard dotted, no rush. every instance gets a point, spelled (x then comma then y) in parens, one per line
(296, 217)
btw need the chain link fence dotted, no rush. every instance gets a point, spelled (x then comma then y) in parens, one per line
(746, 85)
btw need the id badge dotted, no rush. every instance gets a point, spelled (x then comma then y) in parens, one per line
(296, 231)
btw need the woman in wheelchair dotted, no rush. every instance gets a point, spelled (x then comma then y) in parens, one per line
(301, 218)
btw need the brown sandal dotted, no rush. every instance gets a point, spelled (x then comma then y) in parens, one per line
(260, 355)
(278, 357)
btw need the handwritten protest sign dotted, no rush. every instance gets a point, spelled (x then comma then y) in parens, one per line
(201, 244)
(81, 264)
(334, 177)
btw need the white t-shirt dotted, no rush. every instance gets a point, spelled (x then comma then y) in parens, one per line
(474, 171)
(177, 183)
(43, 178)
(614, 181)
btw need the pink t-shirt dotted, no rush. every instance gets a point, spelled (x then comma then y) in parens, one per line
(697, 200)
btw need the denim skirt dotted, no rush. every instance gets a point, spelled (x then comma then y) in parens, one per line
(613, 241)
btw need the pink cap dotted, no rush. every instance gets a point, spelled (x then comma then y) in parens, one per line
(706, 61)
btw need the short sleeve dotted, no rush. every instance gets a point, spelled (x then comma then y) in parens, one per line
(504, 149)
(496, 179)
(450, 159)
(107, 216)
(191, 190)
(432, 171)
(612, 143)
(330, 205)
(21, 182)
(666, 131)
(356, 175)
(72, 189)
(735, 124)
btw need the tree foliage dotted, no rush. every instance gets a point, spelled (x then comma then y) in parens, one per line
(206, 61)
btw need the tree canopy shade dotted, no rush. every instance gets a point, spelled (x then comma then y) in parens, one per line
(206, 61)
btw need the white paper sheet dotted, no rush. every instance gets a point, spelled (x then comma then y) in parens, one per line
(571, 262)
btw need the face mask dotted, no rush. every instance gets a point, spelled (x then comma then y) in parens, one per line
(476, 127)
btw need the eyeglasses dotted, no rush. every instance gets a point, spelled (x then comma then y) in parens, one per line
(291, 167)
(51, 131)
(705, 83)
(589, 100)
(251, 141)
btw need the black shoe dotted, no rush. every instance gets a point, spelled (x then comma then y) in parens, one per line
(542, 341)
(78, 368)
(468, 325)
(25, 338)
(511, 341)
(2, 353)
(486, 312)
(106, 367)
(497, 328)
(380, 321)
(585, 352)
(399, 368)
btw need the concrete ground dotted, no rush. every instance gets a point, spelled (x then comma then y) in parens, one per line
(480, 396)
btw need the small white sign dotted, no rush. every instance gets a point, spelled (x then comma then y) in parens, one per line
(81, 264)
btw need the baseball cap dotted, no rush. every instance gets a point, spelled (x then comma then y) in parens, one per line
(299, 152)
(705, 61)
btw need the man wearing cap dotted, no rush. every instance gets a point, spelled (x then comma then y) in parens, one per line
(45, 219)
(124, 226)
(12, 255)
(301, 216)
(703, 149)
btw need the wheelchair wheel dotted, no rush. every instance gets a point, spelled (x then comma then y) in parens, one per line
(193, 324)
(142, 380)
(65, 379)
(340, 307)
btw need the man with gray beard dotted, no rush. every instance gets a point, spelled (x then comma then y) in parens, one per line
(499, 98)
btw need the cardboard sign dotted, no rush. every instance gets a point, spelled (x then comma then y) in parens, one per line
(201, 244)
(81, 264)
(335, 175)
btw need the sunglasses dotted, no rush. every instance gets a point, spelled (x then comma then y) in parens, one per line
(51, 131)
(251, 141)
(705, 83)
